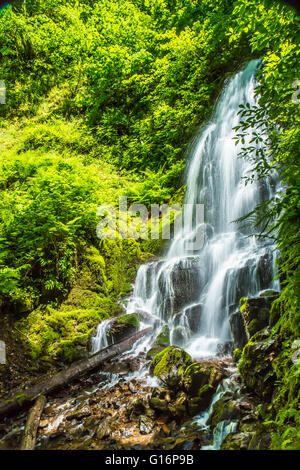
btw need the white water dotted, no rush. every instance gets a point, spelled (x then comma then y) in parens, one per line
(196, 292)
(99, 341)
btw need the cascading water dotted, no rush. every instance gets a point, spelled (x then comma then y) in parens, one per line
(195, 292)
(100, 341)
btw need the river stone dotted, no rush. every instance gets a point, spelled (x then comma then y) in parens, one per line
(145, 424)
(169, 365)
(103, 428)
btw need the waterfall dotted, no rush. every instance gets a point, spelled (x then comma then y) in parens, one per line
(99, 341)
(195, 293)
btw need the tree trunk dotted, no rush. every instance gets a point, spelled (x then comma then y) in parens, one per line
(32, 424)
(49, 384)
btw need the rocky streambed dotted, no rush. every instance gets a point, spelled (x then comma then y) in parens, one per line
(140, 404)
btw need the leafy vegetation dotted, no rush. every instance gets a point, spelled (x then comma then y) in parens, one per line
(102, 100)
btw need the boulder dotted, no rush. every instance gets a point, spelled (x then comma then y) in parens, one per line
(200, 381)
(238, 330)
(256, 365)
(224, 409)
(201, 401)
(193, 314)
(237, 441)
(200, 374)
(256, 313)
(161, 342)
(122, 327)
(186, 278)
(178, 335)
(170, 364)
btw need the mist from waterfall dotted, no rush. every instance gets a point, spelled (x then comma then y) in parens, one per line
(195, 293)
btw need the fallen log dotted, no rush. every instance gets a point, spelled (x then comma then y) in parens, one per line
(33, 420)
(26, 397)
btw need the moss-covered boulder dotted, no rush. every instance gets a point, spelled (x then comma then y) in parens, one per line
(237, 441)
(197, 375)
(256, 366)
(161, 342)
(223, 410)
(170, 364)
(256, 312)
(122, 327)
(201, 401)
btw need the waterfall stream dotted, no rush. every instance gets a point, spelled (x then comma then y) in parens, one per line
(195, 293)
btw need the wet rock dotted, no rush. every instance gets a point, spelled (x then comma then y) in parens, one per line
(193, 314)
(197, 375)
(104, 429)
(186, 278)
(145, 424)
(201, 402)
(169, 365)
(179, 407)
(265, 269)
(238, 330)
(256, 312)
(138, 407)
(223, 410)
(158, 404)
(122, 327)
(262, 438)
(79, 414)
(161, 342)
(178, 335)
(256, 366)
(225, 349)
(237, 441)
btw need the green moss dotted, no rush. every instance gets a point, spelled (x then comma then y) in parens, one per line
(243, 302)
(59, 334)
(20, 398)
(162, 341)
(237, 354)
(169, 365)
(129, 319)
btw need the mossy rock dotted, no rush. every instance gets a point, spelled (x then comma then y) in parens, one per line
(122, 327)
(161, 342)
(237, 441)
(169, 365)
(256, 367)
(179, 408)
(198, 375)
(256, 312)
(201, 402)
(223, 410)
